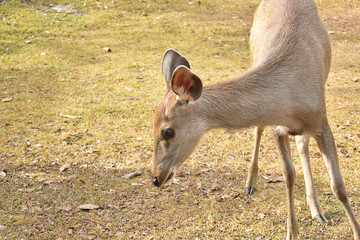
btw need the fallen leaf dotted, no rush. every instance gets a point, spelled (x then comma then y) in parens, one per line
(64, 167)
(2, 228)
(66, 209)
(275, 180)
(29, 190)
(50, 123)
(225, 196)
(47, 182)
(70, 116)
(7, 100)
(88, 207)
(136, 184)
(24, 207)
(134, 98)
(132, 175)
(257, 199)
(316, 155)
(128, 89)
(215, 187)
(36, 209)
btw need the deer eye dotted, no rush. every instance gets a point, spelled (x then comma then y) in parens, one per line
(168, 133)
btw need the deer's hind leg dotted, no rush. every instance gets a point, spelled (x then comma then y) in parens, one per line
(327, 147)
(283, 147)
(302, 143)
(254, 168)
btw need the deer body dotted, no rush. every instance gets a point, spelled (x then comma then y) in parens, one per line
(284, 88)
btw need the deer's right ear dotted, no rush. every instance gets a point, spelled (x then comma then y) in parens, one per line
(186, 84)
(172, 59)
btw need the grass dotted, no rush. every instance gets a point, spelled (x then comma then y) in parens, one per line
(64, 71)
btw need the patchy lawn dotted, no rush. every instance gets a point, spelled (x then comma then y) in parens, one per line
(76, 117)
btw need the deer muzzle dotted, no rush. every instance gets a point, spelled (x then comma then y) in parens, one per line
(163, 178)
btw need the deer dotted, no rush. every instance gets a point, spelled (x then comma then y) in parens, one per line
(302, 143)
(283, 89)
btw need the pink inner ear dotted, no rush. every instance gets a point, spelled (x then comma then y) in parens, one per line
(182, 80)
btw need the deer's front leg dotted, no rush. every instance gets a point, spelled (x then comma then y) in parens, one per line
(253, 168)
(289, 173)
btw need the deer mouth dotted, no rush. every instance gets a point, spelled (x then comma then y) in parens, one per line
(159, 182)
(172, 174)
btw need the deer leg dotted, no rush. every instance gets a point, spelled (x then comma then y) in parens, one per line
(302, 143)
(283, 147)
(253, 168)
(327, 147)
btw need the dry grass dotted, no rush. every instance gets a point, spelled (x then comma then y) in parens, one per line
(65, 71)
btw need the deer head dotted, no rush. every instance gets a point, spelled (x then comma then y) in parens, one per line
(177, 127)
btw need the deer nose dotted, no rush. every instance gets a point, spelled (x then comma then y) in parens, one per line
(155, 181)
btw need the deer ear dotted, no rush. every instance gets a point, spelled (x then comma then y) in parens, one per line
(172, 59)
(186, 84)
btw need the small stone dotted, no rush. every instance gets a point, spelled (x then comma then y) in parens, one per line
(107, 49)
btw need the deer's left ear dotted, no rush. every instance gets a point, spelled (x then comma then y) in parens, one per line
(172, 59)
(186, 84)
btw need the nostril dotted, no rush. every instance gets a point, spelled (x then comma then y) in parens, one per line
(155, 181)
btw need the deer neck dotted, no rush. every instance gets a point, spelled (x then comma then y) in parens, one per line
(250, 100)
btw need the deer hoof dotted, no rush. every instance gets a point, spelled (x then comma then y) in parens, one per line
(321, 219)
(249, 191)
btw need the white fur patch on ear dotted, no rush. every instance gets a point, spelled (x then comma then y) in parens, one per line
(182, 94)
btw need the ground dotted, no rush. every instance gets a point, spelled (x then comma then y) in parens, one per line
(78, 88)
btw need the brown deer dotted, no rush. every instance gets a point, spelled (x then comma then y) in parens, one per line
(284, 88)
(302, 142)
